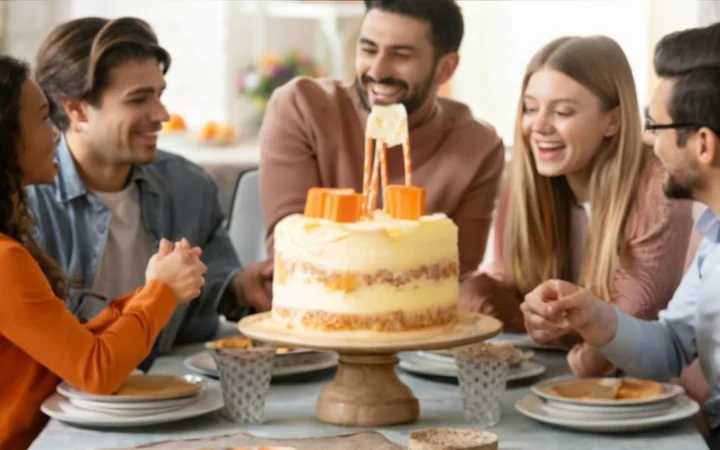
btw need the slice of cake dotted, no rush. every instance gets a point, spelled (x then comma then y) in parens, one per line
(343, 265)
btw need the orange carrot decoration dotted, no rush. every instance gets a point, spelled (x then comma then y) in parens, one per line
(404, 202)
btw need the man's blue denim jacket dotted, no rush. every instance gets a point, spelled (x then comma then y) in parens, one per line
(178, 199)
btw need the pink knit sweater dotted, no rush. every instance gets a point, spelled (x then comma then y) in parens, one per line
(657, 233)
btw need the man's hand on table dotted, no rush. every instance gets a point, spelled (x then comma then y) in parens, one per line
(254, 285)
(557, 307)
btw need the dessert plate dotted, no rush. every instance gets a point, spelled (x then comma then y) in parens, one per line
(204, 364)
(576, 389)
(522, 340)
(536, 408)
(414, 362)
(138, 388)
(145, 407)
(59, 407)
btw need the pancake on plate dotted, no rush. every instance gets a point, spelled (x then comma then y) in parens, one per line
(628, 389)
(157, 386)
(240, 342)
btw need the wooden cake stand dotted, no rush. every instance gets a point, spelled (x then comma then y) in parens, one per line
(366, 390)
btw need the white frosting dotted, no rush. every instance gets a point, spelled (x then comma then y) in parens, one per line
(366, 247)
(388, 124)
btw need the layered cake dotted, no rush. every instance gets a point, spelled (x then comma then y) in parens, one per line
(344, 265)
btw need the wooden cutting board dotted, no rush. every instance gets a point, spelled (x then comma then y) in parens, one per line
(358, 441)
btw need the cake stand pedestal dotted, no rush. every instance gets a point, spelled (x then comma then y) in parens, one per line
(366, 390)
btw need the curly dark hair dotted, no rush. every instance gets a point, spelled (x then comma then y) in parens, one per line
(15, 218)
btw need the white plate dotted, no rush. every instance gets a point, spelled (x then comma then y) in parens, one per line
(527, 355)
(412, 362)
(671, 390)
(128, 412)
(58, 407)
(609, 412)
(134, 408)
(204, 364)
(536, 408)
(522, 340)
(68, 391)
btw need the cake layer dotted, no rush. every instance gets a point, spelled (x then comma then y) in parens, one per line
(399, 320)
(367, 246)
(376, 298)
(303, 272)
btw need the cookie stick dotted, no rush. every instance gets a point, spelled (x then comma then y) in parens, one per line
(373, 194)
(367, 165)
(383, 168)
(407, 160)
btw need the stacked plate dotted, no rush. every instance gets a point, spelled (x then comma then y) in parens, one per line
(294, 361)
(141, 400)
(583, 404)
(441, 363)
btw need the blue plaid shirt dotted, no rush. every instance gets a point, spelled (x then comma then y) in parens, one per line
(688, 328)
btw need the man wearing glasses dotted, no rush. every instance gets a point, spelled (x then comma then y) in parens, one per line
(683, 124)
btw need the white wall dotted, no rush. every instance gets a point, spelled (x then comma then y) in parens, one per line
(209, 41)
(667, 16)
(502, 36)
(708, 12)
(27, 24)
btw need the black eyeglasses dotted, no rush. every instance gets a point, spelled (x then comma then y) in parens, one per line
(653, 127)
(673, 126)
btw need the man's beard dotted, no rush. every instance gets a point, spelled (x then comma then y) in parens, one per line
(681, 186)
(412, 103)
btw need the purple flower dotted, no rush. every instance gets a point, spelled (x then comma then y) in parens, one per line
(281, 74)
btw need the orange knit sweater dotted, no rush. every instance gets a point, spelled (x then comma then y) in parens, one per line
(41, 342)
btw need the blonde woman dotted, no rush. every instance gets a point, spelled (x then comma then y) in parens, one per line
(585, 200)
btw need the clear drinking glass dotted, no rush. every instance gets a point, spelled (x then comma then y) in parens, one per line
(482, 375)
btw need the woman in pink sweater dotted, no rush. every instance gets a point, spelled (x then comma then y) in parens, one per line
(584, 201)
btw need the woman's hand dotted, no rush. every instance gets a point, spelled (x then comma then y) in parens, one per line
(179, 266)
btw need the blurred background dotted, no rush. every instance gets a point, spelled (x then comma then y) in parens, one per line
(229, 55)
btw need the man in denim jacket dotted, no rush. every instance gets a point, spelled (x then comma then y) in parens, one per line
(116, 195)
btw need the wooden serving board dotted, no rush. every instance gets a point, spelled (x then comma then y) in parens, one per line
(358, 441)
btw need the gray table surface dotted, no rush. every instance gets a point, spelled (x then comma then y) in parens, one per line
(290, 413)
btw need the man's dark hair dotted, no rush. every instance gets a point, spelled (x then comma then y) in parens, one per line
(695, 100)
(686, 50)
(76, 58)
(444, 16)
(692, 58)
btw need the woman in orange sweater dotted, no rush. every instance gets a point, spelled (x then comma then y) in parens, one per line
(41, 342)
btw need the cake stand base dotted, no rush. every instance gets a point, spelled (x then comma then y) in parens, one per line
(366, 391)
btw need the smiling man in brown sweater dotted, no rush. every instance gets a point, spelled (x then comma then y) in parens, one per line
(313, 133)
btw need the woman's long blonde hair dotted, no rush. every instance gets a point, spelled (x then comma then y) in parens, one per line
(537, 237)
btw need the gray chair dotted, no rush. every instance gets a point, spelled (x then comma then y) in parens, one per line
(246, 225)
